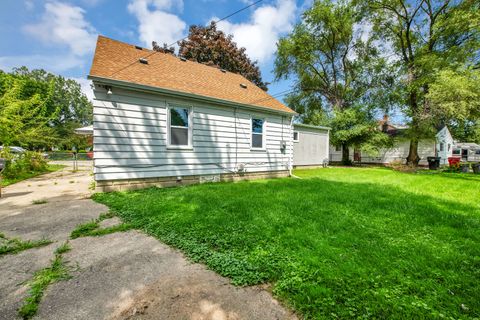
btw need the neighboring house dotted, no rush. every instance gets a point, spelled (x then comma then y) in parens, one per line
(442, 146)
(160, 120)
(467, 151)
(310, 145)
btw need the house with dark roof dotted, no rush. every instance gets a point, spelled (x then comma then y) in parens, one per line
(161, 120)
(441, 146)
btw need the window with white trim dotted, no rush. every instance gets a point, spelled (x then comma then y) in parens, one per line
(338, 148)
(179, 126)
(442, 146)
(296, 135)
(258, 130)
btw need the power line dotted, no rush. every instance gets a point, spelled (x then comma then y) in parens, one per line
(154, 52)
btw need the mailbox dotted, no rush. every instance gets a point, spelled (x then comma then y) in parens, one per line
(2, 164)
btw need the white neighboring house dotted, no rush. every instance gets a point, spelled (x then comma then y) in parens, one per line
(310, 145)
(442, 146)
(468, 151)
(160, 120)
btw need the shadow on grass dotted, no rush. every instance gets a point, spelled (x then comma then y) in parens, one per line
(332, 249)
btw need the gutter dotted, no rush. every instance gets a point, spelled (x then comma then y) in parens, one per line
(145, 88)
(301, 125)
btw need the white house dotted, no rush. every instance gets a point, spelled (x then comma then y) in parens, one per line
(310, 145)
(441, 146)
(160, 120)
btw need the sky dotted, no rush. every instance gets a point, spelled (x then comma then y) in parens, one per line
(60, 35)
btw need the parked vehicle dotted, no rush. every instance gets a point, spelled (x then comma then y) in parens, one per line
(20, 150)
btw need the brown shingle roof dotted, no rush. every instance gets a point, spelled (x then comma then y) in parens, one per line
(120, 61)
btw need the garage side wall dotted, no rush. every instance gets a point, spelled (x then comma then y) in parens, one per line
(311, 149)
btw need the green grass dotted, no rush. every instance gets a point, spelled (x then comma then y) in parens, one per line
(92, 228)
(339, 243)
(12, 246)
(42, 279)
(51, 168)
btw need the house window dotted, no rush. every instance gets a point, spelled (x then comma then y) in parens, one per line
(456, 151)
(338, 148)
(295, 136)
(477, 151)
(258, 133)
(179, 126)
(449, 147)
(442, 146)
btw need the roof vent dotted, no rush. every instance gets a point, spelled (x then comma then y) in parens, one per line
(143, 60)
(183, 59)
(243, 85)
(138, 48)
(223, 70)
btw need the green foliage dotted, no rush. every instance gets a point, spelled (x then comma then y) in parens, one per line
(39, 110)
(21, 164)
(340, 243)
(429, 41)
(92, 228)
(12, 246)
(334, 65)
(41, 280)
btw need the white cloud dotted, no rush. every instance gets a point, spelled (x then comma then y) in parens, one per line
(155, 23)
(85, 84)
(260, 34)
(66, 25)
(54, 63)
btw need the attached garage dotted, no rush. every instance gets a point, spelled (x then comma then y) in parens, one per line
(310, 145)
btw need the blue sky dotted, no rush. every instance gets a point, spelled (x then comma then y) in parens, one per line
(60, 35)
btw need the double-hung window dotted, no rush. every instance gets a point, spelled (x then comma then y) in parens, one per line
(179, 126)
(258, 133)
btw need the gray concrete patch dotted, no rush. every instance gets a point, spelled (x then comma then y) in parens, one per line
(53, 221)
(15, 270)
(129, 274)
(107, 223)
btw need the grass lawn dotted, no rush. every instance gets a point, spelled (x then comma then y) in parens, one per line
(340, 243)
(51, 168)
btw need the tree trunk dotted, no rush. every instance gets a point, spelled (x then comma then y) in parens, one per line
(413, 157)
(346, 155)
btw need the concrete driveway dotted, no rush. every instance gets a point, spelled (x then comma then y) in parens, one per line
(124, 275)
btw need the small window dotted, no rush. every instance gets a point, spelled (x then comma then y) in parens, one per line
(295, 136)
(477, 151)
(456, 151)
(449, 147)
(338, 148)
(442, 146)
(179, 126)
(257, 133)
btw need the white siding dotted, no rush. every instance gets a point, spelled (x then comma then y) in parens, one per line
(312, 146)
(130, 130)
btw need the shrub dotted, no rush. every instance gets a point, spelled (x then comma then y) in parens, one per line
(18, 164)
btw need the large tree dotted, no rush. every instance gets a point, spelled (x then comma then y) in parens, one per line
(209, 45)
(39, 109)
(333, 66)
(425, 37)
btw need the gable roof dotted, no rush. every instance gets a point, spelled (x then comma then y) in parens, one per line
(119, 61)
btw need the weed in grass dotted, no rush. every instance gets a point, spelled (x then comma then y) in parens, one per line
(93, 229)
(340, 243)
(64, 247)
(39, 201)
(57, 271)
(92, 185)
(13, 246)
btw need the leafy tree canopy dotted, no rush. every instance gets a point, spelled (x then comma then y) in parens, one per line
(428, 41)
(334, 66)
(40, 110)
(209, 45)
